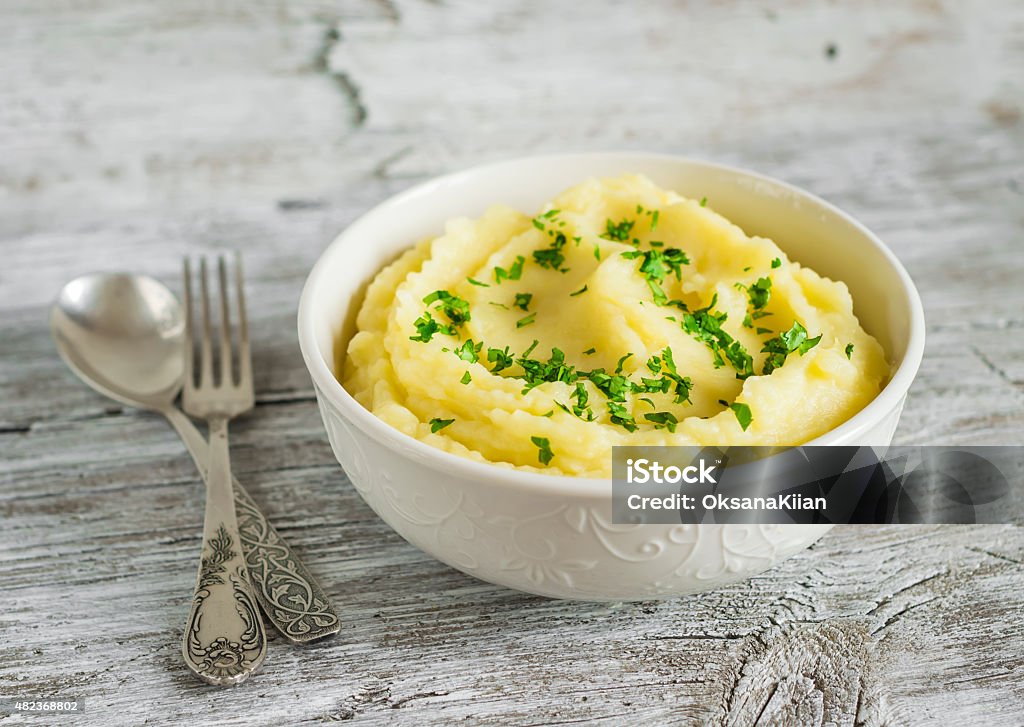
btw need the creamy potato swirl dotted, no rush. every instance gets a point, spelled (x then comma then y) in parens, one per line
(622, 314)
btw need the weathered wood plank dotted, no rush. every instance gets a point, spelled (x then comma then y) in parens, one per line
(131, 134)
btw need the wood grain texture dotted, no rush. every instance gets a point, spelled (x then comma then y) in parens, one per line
(132, 133)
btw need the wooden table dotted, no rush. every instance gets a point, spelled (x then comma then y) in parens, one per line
(133, 133)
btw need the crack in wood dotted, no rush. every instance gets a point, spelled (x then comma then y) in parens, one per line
(342, 80)
(889, 598)
(381, 170)
(987, 362)
(998, 556)
(899, 614)
(399, 703)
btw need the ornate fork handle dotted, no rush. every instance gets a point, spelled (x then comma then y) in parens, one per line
(290, 596)
(224, 637)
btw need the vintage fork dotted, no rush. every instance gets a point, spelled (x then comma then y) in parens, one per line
(224, 640)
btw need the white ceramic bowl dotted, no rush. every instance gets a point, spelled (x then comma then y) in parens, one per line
(552, 535)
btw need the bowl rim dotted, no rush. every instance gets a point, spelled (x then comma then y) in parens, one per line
(325, 383)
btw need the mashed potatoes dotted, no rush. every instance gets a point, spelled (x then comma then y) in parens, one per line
(621, 314)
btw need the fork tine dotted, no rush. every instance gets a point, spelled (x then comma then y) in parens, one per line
(226, 365)
(206, 346)
(244, 353)
(189, 346)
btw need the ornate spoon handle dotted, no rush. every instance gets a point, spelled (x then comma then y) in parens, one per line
(224, 639)
(288, 593)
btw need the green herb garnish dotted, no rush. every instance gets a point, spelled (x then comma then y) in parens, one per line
(513, 273)
(776, 263)
(663, 420)
(582, 399)
(522, 301)
(454, 307)
(436, 425)
(526, 320)
(706, 326)
(427, 327)
(581, 291)
(552, 257)
(618, 231)
(618, 367)
(466, 378)
(743, 415)
(779, 347)
(501, 359)
(544, 453)
(621, 416)
(759, 292)
(537, 372)
(477, 283)
(849, 350)
(659, 263)
(469, 351)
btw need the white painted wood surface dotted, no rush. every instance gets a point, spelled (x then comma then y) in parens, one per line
(132, 133)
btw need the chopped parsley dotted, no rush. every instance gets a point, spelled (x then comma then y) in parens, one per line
(466, 378)
(618, 231)
(501, 359)
(477, 283)
(526, 320)
(514, 272)
(849, 350)
(537, 372)
(683, 385)
(552, 257)
(618, 367)
(706, 326)
(426, 327)
(582, 398)
(544, 453)
(469, 351)
(663, 420)
(590, 351)
(703, 201)
(743, 415)
(621, 416)
(779, 347)
(522, 301)
(581, 291)
(436, 425)
(758, 292)
(659, 263)
(776, 263)
(455, 308)
(656, 265)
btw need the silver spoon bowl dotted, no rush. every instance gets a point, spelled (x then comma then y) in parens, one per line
(124, 336)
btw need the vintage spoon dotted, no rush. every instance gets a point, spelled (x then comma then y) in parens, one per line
(123, 335)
